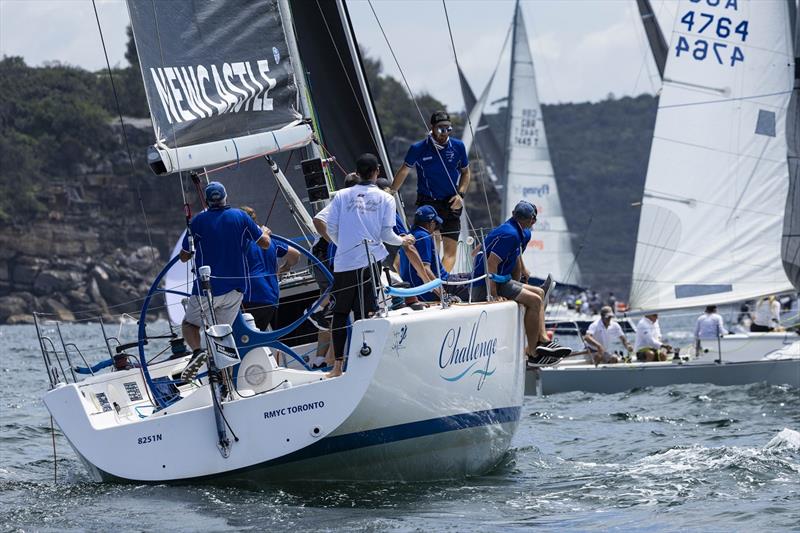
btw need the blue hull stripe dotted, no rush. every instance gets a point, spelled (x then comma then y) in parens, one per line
(411, 430)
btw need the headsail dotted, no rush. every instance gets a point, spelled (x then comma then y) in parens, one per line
(790, 247)
(219, 81)
(529, 171)
(715, 193)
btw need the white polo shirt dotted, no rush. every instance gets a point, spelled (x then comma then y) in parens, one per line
(605, 336)
(356, 214)
(768, 314)
(648, 334)
(709, 326)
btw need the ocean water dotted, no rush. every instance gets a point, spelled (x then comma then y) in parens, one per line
(666, 459)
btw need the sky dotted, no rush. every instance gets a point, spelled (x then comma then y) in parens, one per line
(583, 49)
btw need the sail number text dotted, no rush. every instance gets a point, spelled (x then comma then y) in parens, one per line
(723, 34)
(148, 439)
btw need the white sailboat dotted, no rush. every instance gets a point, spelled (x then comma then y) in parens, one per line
(430, 394)
(713, 208)
(528, 170)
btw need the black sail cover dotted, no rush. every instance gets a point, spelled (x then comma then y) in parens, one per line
(790, 243)
(213, 69)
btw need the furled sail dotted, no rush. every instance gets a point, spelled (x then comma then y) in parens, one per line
(790, 246)
(714, 198)
(219, 81)
(529, 171)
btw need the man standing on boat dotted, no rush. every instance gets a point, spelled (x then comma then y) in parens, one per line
(442, 168)
(221, 237)
(507, 277)
(709, 326)
(360, 220)
(600, 335)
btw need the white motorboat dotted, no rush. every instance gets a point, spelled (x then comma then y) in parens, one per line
(428, 394)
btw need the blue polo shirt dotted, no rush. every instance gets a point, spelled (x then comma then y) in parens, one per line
(399, 228)
(262, 264)
(426, 248)
(433, 179)
(222, 236)
(507, 241)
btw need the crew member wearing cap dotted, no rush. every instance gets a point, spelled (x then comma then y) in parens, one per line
(263, 290)
(503, 249)
(599, 336)
(362, 213)
(430, 267)
(221, 236)
(442, 168)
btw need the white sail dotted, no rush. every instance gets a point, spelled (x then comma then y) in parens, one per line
(712, 213)
(529, 171)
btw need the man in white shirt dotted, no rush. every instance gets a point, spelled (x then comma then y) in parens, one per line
(599, 336)
(767, 316)
(360, 220)
(709, 326)
(648, 345)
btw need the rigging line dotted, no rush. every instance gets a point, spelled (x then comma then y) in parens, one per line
(469, 119)
(396, 62)
(124, 133)
(347, 75)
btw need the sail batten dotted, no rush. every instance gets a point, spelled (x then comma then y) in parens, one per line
(717, 178)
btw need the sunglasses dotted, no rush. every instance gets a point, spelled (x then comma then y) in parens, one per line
(444, 129)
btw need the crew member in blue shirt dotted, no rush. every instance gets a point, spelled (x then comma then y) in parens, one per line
(263, 290)
(222, 236)
(508, 280)
(442, 168)
(430, 267)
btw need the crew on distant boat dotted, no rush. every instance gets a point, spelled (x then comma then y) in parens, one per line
(709, 326)
(506, 280)
(767, 315)
(599, 336)
(443, 176)
(263, 290)
(430, 267)
(222, 237)
(648, 345)
(361, 218)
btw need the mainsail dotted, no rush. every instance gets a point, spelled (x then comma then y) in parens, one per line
(712, 213)
(529, 171)
(314, 60)
(790, 247)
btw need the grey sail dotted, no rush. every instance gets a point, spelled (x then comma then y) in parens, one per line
(219, 81)
(790, 243)
(658, 45)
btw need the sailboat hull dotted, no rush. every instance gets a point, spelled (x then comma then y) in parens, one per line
(438, 397)
(623, 377)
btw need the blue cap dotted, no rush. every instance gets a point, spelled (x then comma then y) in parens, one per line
(215, 192)
(525, 209)
(426, 213)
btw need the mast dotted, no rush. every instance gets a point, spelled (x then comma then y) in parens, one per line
(509, 104)
(658, 45)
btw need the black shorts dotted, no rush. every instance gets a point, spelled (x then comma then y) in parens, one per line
(350, 289)
(262, 313)
(451, 218)
(509, 290)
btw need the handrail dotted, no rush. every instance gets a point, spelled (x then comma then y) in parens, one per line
(413, 291)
